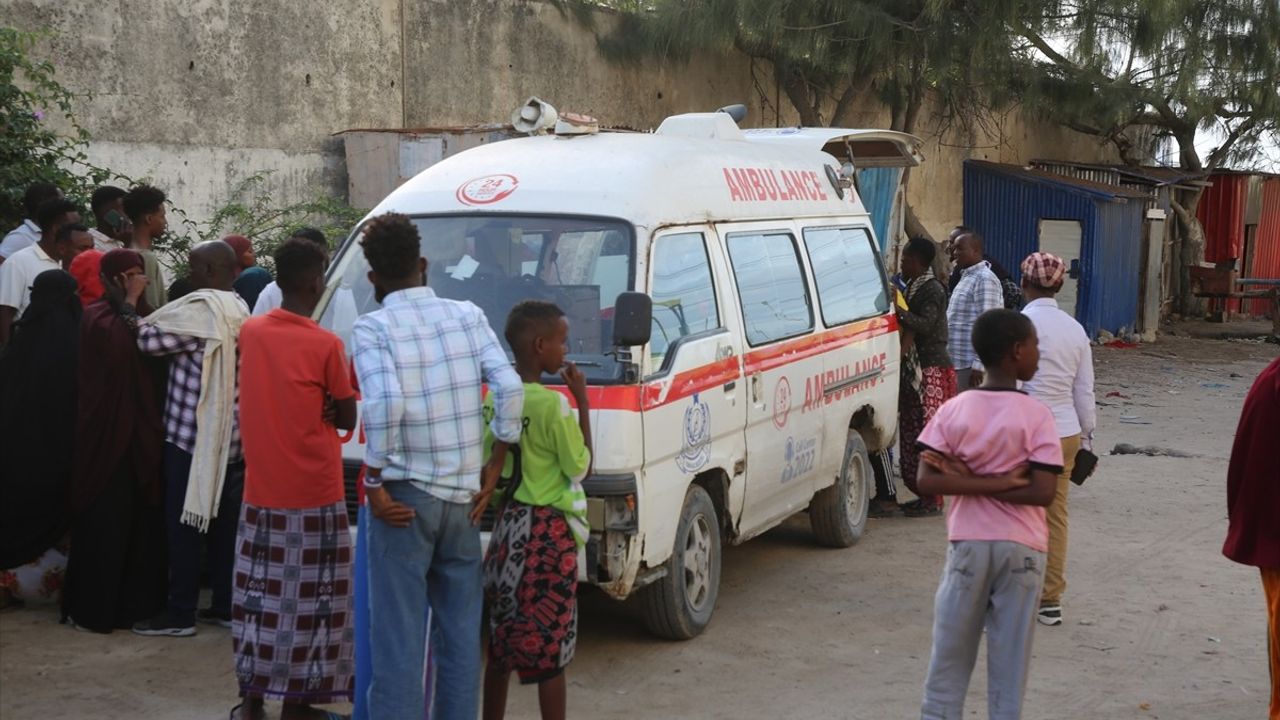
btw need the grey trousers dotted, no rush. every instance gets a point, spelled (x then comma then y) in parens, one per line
(962, 379)
(992, 583)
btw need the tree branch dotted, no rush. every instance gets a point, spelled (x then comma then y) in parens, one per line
(797, 89)
(1220, 154)
(847, 98)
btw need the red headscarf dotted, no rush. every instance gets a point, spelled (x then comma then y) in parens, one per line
(241, 245)
(85, 269)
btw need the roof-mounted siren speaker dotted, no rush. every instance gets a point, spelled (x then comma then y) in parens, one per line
(738, 112)
(534, 117)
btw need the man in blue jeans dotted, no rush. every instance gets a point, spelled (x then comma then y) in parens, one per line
(421, 361)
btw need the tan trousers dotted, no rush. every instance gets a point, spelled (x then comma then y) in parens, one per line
(1271, 586)
(1055, 581)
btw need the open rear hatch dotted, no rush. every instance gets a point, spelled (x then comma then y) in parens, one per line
(864, 148)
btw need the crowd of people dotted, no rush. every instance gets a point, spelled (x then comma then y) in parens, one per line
(169, 439)
(157, 434)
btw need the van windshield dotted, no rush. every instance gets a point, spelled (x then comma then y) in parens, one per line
(496, 261)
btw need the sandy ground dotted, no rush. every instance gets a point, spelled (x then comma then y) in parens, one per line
(1158, 623)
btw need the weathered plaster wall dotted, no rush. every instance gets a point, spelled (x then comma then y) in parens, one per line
(475, 61)
(199, 94)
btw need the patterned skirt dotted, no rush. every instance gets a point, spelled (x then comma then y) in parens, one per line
(292, 627)
(531, 588)
(937, 385)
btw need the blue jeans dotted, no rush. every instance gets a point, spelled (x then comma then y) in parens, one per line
(437, 560)
(186, 543)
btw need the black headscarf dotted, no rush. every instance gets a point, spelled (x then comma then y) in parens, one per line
(37, 420)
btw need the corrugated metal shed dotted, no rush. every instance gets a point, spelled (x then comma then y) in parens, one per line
(1221, 213)
(1266, 242)
(1006, 203)
(878, 188)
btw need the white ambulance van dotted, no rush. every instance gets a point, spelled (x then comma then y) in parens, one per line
(727, 303)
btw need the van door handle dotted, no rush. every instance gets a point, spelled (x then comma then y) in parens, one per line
(729, 386)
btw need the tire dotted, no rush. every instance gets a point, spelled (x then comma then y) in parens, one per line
(838, 514)
(679, 605)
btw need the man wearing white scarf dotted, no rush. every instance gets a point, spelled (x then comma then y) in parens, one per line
(203, 464)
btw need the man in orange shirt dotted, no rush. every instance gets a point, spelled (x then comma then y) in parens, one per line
(292, 634)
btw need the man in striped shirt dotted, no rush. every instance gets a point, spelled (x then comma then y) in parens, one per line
(421, 361)
(977, 292)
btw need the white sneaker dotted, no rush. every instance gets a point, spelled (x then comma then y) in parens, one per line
(1050, 615)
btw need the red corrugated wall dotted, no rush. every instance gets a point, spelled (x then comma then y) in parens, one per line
(1266, 244)
(1221, 212)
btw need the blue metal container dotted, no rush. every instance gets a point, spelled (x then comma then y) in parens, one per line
(1005, 203)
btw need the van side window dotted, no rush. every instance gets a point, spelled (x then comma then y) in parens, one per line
(771, 286)
(846, 269)
(684, 296)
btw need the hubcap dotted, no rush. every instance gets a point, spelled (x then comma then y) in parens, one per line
(697, 562)
(855, 489)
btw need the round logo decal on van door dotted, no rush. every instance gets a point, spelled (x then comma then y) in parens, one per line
(487, 190)
(781, 402)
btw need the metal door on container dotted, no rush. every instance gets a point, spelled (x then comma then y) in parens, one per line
(782, 355)
(1063, 238)
(693, 395)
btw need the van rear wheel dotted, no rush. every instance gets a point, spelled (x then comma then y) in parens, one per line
(679, 605)
(838, 514)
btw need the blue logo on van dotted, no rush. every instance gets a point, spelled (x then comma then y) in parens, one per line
(696, 443)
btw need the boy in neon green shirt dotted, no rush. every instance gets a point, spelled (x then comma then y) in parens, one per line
(531, 569)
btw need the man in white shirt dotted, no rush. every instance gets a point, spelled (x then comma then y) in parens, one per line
(53, 251)
(28, 233)
(1064, 382)
(270, 298)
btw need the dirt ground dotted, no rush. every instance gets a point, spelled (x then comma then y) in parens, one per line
(1158, 623)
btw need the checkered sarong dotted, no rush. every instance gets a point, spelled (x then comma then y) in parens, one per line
(292, 628)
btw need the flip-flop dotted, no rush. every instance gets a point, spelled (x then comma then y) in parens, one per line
(233, 715)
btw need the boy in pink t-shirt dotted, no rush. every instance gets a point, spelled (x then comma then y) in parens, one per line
(994, 451)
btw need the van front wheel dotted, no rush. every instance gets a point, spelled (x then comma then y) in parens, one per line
(838, 514)
(679, 605)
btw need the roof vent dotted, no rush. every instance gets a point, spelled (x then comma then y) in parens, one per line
(701, 126)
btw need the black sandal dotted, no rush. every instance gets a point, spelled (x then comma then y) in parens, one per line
(920, 510)
(883, 509)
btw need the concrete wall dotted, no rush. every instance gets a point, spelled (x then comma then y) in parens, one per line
(199, 94)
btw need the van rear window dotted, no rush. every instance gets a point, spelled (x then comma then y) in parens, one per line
(497, 261)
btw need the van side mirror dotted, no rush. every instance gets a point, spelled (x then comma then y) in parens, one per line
(632, 319)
